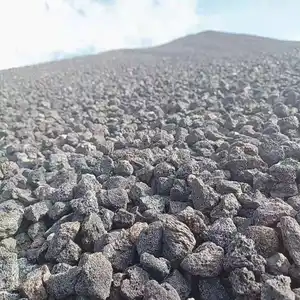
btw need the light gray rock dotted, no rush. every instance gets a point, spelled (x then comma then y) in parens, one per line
(9, 270)
(277, 288)
(33, 285)
(11, 216)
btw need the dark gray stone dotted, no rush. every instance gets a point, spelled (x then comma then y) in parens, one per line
(243, 283)
(123, 219)
(180, 283)
(277, 288)
(206, 261)
(123, 168)
(120, 252)
(278, 264)
(266, 239)
(92, 229)
(95, 277)
(158, 268)
(212, 289)
(155, 291)
(178, 240)
(290, 231)
(204, 197)
(113, 199)
(61, 247)
(133, 286)
(150, 239)
(221, 232)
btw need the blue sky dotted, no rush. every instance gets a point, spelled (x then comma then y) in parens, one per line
(33, 31)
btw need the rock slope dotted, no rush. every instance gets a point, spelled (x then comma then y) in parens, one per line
(164, 173)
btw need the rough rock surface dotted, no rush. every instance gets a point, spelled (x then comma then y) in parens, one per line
(170, 172)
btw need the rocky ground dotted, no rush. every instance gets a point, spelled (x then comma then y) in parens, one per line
(166, 173)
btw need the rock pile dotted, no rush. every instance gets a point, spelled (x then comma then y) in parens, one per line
(152, 175)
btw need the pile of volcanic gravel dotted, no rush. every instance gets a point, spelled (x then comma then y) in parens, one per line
(153, 174)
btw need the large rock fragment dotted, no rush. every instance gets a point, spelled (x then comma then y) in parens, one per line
(33, 286)
(290, 231)
(178, 240)
(206, 261)
(277, 288)
(62, 284)
(11, 216)
(204, 197)
(62, 247)
(212, 289)
(9, 270)
(155, 291)
(95, 277)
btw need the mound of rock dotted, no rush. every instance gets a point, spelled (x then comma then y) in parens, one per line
(153, 174)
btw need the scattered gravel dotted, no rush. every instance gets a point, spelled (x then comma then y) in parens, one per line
(164, 173)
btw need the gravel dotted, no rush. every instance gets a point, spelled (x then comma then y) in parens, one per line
(170, 172)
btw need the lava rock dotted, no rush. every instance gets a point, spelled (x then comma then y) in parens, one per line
(61, 247)
(95, 277)
(133, 286)
(204, 197)
(266, 239)
(123, 168)
(277, 288)
(113, 199)
(11, 216)
(123, 219)
(9, 270)
(33, 286)
(278, 264)
(290, 231)
(221, 232)
(270, 212)
(206, 261)
(150, 239)
(177, 240)
(212, 289)
(180, 283)
(92, 229)
(120, 252)
(36, 211)
(158, 268)
(153, 290)
(243, 283)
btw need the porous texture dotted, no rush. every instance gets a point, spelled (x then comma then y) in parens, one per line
(164, 173)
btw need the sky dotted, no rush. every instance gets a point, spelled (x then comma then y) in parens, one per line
(33, 31)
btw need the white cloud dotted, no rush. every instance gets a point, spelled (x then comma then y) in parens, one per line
(32, 30)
